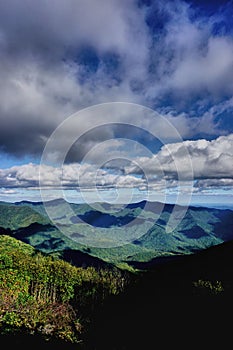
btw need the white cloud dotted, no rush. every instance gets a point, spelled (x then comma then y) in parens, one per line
(214, 183)
(209, 159)
(73, 175)
(210, 70)
(7, 191)
(211, 162)
(189, 126)
(191, 61)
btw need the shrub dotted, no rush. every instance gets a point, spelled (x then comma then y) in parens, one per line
(40, 294)
(209, 287)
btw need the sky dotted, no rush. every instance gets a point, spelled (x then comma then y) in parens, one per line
(169, 65)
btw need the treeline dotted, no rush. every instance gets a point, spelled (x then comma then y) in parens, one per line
(43, 295)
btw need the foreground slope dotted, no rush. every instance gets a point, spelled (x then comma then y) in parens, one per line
(182, 298)
(185, 302)
(47, 297)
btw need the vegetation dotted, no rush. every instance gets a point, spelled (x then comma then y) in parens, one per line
(46, 292)
(184, 301)
(208, 287)
(14, 217)
(44, 295)
(199, 229)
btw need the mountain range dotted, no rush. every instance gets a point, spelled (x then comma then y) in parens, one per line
(180, 291)
(199, 229)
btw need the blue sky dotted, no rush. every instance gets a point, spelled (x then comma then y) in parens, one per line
(174, 57)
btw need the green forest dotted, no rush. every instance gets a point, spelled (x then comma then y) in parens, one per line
(59, 294)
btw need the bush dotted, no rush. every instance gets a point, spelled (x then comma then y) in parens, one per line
(43, 295)
(209, 287)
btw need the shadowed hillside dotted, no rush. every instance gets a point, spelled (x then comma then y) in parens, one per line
(188, 300)
(199, 229)
(181, 291)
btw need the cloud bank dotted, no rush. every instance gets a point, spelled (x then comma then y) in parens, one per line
(212, 163)
(210, 159)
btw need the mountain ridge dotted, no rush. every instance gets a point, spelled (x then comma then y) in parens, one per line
(199, 229)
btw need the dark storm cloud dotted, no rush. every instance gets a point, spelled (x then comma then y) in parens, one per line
(57, 57)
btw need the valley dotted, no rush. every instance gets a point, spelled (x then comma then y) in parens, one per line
(199, 229)
(125, 297)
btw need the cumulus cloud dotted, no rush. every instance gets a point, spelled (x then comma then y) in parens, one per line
(72, 175)
(209, 160)
(211, 166)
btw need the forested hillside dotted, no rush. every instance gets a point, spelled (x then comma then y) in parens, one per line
(47, 297)
(144, 230)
